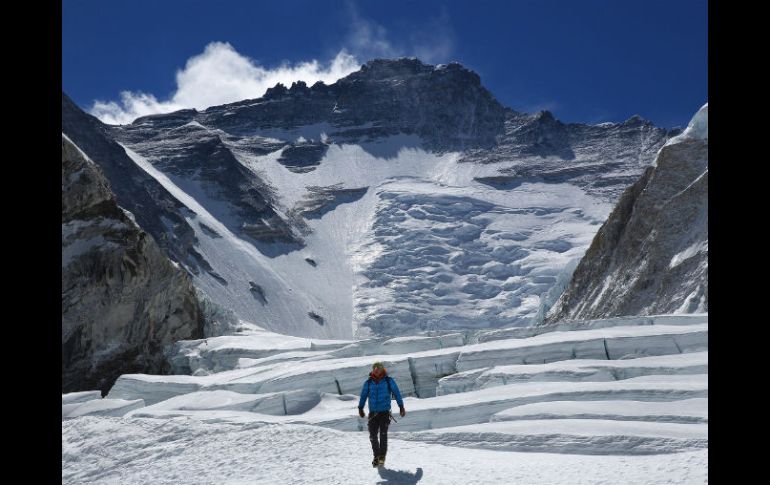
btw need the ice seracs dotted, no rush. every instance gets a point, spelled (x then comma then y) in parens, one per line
(636, 400)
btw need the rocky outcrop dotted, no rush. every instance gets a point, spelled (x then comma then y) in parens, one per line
(320, 200)
(602, 159)
(123, 300)
(651, 255)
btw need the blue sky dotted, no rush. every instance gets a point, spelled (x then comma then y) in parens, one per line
(588, 60)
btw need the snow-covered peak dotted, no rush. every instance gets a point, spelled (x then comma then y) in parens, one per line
(697, 129)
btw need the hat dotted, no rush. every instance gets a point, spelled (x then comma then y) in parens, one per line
(377, 365)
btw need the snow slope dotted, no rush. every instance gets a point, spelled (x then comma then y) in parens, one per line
(423, 246)
(184, 450)
(281, 409)
(243, 263)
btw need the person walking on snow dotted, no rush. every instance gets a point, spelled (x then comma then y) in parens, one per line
(378, 388)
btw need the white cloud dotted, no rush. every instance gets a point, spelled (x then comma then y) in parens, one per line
(221, 75)
(132, 105)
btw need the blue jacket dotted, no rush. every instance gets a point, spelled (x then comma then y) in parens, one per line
(378, 394)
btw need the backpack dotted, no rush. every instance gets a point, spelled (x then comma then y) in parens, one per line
(387, 381)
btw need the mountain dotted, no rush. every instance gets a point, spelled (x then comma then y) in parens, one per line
(123, 300)
(651, 255)
(402, 198)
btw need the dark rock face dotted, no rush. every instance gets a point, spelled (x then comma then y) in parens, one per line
(303, 157)
(199, 162)
(446, 105)
(320, 200)
(123, 300)
(651, 255)
(318, 318)
(540, 134)
(602, 159)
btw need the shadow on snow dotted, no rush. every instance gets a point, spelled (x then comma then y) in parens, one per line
(399, 477)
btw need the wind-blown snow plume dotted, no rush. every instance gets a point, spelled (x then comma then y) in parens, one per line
(221, 75)
(431, 42)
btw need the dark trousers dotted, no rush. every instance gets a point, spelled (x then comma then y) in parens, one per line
(378, 424)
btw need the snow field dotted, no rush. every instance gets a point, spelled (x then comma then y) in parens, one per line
(185, 450)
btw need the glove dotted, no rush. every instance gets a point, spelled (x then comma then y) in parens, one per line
(402, 411)
(361, 412)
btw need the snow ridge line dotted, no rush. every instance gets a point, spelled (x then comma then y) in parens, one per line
(607, 352)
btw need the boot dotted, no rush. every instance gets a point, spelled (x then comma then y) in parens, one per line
(381, 460)
(375, 462)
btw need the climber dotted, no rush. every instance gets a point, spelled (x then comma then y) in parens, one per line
(378, 388)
